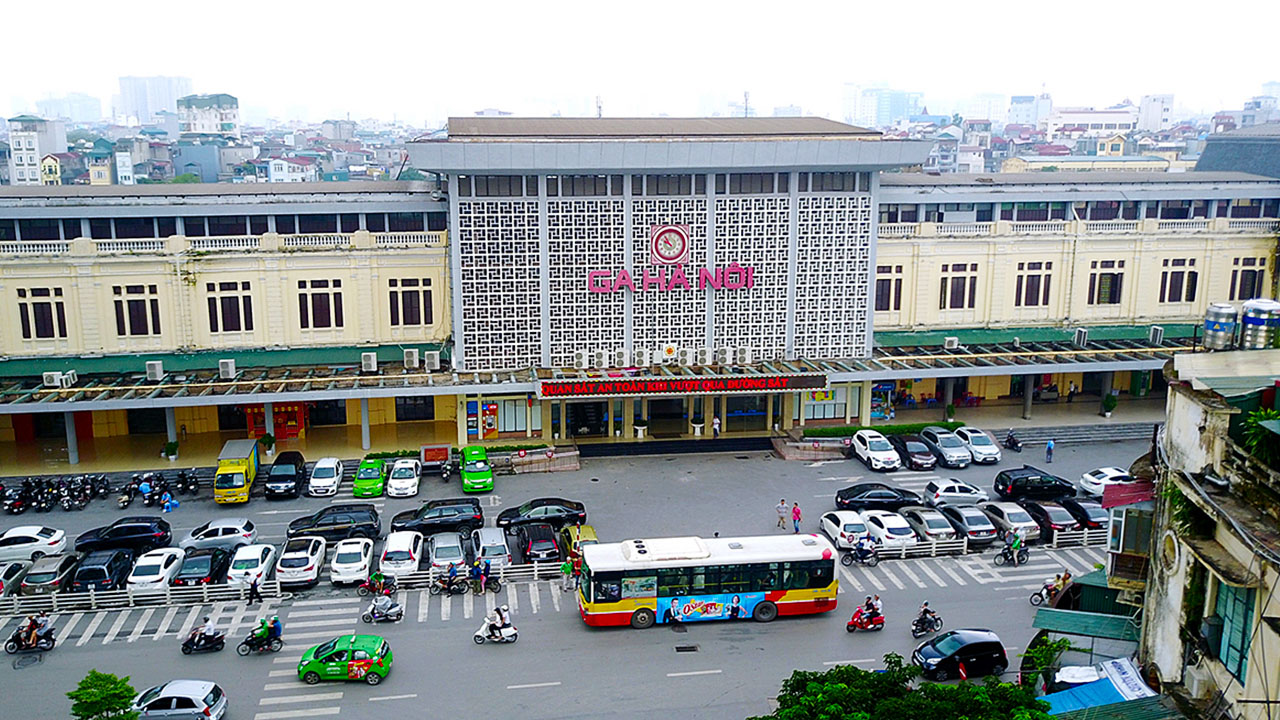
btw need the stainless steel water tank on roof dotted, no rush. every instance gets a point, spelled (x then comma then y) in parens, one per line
(1220, 327)
(1259, 324)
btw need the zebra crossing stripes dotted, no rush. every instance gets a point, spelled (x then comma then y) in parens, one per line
(141, 625)
(93, 625)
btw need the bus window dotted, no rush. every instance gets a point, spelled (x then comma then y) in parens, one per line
(821, 574)
(764, 577)
(606, 591)
(733, 579)
(795, 576)
(700, 586)
(673, 581)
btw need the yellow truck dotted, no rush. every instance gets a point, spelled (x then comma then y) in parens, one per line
(237, 469)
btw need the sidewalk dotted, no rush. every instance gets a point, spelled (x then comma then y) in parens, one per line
(1084, 411)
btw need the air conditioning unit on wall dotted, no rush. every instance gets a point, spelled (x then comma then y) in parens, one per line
(644, 357)
(724, 356)
(599, 359)
(581, 359)
(69, 378)
(226, 369)
(618, 358)
(155, 370)
(745, 356)
(702, 356)
(369, 362)
(951, 343)
(52, 379)
(685, 356)
(1156, 336)
(411, 359)
(431, 360)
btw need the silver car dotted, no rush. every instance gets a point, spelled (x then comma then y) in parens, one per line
(1008, 516)
(490, 544)
(182, 699)
(445, 550)
(953, 492)
(951, 450)
(983, 449)
(226, 533)
(928, 523)
(11, 575)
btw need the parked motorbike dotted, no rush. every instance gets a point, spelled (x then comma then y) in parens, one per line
(127, 494)
(492, 584)
(862, 621)
(506, 634)
(17, 642)
(197, 642)
(922, 626)
(1011, 442)
(1006, 556)
(383, 609)
(188, 482)
(16, 501)
(446, 469)
(367, 588)
(871, 559)
(253, 643)
(459, 586)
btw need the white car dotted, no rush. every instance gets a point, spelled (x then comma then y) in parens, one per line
(251, 562)
(351, 561)
(155, 569)
(1008, 516)
(844, 527)
(888, 530)
(300, 561)
(325, 477)
(953, 492)
(402, 553)
(984, 450)
(31, 542)
(875, 451)
(403, 481)
(1094, 481)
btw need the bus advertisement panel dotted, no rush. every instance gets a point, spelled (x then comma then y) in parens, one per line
(724, 606)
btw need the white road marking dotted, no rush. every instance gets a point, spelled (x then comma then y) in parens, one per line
(849, 578)
(468, 601)
(849, 662)
(446, 606)
(906, 570)
(533, 597)
(555, 600)
(331, 601)
(513, 597)
(61, 637)
(951, 573)
(287, 699)
(820, 463)
(870, 574)
(490, 602)
(142, 624)
(322, 623)
(115, 626)
(533, 685)
(93, 625)
(316, 613)
(282, 714)
(424, 605)
(290, 658)
(394, 697)
(892, 578)
(281, 673)
(313, 635)
(694, 672)
(164, 623)
(289, 685)
(924, 568)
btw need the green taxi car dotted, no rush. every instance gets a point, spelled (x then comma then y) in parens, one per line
(371, 478)
(347, 657)
(477, 473)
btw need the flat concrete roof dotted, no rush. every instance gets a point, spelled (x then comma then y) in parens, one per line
(488, 129)
(1088, 177)
(207, 189)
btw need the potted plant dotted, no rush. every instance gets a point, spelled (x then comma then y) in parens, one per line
(951, 411)
(1109, 403)
(171, 450)
(641, 425)
(696, 421)
(268, 442)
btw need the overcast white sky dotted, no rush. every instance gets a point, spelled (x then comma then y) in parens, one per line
(423, 61)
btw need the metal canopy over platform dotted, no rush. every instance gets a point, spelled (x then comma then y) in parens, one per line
(120, 391)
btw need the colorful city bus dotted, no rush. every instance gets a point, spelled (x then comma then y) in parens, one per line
(690, 579)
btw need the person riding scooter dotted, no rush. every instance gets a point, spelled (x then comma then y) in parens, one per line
(926, 615)
(865, 548)
(276, 630)
(204, 633)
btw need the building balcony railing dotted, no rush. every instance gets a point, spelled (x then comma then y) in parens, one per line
(1241, 226)
(268, 242)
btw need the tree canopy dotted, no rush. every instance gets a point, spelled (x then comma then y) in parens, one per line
(186, 178)
(847, 692)
(103, 696)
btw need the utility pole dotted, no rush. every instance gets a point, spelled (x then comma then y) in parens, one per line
(599, 107)
(746, 104)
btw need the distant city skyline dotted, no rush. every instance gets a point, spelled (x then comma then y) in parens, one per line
(543, 60)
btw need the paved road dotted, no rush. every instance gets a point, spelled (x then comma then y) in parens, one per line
(560, 668)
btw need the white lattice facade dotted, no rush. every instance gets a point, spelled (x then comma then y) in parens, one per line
(678, 316)
(833, 275)
(584, 235)
(499, 246)
(752, 230)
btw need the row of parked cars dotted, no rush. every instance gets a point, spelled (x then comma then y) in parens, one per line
(374, 477)
(933, 446)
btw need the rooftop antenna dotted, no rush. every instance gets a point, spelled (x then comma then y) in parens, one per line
(746, 104)
(599, 107)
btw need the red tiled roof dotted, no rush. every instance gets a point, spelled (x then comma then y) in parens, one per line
(1128, 493)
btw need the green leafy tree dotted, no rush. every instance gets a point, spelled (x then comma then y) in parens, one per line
(103, 696)
(1258, 440)
(847, 692)
(186, 178)
(412, 174)
(1043, 657)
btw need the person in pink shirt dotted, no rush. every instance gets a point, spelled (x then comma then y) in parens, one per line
(795, 516)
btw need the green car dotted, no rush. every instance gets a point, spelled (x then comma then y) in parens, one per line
(477, 474)
(371, 478)
(347, 657)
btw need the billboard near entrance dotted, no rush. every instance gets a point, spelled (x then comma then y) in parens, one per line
(609, 387)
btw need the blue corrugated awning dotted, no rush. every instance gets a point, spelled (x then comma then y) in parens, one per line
(1098, 692)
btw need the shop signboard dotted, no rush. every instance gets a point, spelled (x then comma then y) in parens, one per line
(667, 386)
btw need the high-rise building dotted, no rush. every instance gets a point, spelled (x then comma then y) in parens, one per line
(30, 139)
(1153, 112)
(881, 107)
(76, 107)
(1029, 109)
(142, 97)
(206, 115)
(1271, 89)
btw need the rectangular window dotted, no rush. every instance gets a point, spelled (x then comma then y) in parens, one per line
(410, 301)
(42, 313)
(137, 310)
(230, 306)
(320, 304)
(1248, 278)
(287, 224)
(1032, 285)
(959, 287)
(1235, 607)
(1178, 285)
(233, 225)
(888, 289)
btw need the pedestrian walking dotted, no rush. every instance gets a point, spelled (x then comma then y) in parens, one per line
(1048, 451)
(566, 576)
(1071, 391)
(715, 426)
(255, 595)
(795, 516)
(576, 559)
(782, 513)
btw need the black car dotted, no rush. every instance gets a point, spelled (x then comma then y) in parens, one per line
(1091, 515)
(875, 496)
(537, 541)
(915, 455)
(339, 522)
(980, 651)
(460, 515)
(556, 512)
(203, 567)
(287, 476)
(1050, 516)
(138, 534)
(103, 570)
(1032, 482)
(969, 521)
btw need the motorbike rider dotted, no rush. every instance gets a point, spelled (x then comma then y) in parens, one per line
(877, 607)
(926, 614)
(493, 624)
(276, 630)
(453, 575)
(865, 548)
(476, 574)
(1011, 440)
(263, 632)
(379, 582)
(204, 633)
